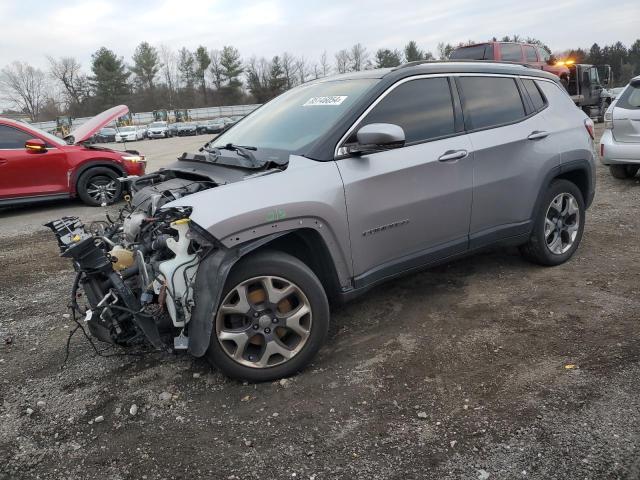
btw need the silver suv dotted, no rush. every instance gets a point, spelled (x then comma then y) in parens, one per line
(235, 252)
(620, 142)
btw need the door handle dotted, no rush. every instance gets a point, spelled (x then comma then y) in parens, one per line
(537, 134)
(451, 155)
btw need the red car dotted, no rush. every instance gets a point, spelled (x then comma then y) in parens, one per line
(533, 55)
(37, 166)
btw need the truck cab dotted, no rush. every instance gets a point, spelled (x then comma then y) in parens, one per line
(587, 84)
(529, 54)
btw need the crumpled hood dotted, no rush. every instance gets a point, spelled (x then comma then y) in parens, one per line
(85, 131)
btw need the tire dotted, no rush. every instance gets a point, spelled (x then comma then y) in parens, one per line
(96, 177)
(602, 111)
(622, 171)
(547, 235)
(257, 361)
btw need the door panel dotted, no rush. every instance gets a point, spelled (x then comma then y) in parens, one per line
(405, 201)
(25, 174)
(512, 153)
(508, 167)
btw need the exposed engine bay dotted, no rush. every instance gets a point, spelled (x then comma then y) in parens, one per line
(136, 274)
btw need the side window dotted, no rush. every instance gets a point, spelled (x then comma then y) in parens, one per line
(491, 101)
(530, 53)
(423, 108)
(511, 52)
(534, 94)
(544, 55)
(12, 137)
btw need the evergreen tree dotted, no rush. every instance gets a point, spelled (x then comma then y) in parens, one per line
(386, 58)
(412, 53)
(146, 65)
(109, 80)
(202, 62)
(231, 65)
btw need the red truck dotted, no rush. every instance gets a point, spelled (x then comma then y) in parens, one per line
(533, 55)
(37, 166)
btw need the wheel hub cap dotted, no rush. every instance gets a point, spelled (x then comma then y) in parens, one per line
(263, 322)
(562, 223)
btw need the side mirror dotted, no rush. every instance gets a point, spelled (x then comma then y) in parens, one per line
(35, 145)
(378, 136)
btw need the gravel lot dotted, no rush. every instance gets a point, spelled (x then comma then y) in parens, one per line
(456, 372)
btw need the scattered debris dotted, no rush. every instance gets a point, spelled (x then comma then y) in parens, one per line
(422, 414)
(99, 419)
(134, 409)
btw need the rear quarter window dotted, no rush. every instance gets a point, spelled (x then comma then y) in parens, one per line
(630, 98)
(490, 101)
(535, 95)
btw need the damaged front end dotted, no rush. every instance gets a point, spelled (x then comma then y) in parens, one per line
(135, 276)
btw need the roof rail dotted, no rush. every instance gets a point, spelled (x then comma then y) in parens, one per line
(421, 62)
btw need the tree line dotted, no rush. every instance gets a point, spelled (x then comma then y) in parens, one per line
(161, 77)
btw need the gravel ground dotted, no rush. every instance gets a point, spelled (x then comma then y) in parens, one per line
(457, 372)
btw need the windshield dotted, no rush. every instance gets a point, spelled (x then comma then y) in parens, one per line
(127, 129)
(297, 118)
(158, 124)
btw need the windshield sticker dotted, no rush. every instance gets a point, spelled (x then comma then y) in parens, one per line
(333, 100)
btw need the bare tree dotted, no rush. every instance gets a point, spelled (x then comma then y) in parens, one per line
(67, 72)
(215, 69)
(25, 87)
(303, 71)
(289, 69)
(343, 61)
(169, 71)
(325, 68)
(359, 57)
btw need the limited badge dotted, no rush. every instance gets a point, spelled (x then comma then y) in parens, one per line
(317, 101)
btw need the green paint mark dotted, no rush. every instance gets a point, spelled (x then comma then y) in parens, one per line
(275, 215)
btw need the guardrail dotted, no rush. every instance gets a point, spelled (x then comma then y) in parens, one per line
(143, 118)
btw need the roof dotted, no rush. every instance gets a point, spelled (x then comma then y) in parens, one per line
(439, 67)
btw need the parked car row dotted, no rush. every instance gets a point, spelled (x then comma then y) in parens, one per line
(163, 129)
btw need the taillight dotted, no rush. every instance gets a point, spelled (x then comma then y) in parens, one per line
(588, 124)
(608, 120)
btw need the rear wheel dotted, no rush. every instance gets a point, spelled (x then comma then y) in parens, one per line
(558, 226)
(623, 171)
(272, 320)
(99, 186)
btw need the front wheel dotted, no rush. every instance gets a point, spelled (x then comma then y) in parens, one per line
(98, 186)
(558, 225)
(272, 320)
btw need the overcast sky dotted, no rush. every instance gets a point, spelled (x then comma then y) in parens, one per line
(32, 29)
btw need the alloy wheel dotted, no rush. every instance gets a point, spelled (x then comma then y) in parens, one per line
(264, 321)
(562, 223)
(102, 189)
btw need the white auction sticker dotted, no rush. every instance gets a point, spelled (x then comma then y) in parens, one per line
(334, 100)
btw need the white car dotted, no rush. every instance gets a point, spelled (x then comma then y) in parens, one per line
(620, 142)
(158, 130)
(129, 134)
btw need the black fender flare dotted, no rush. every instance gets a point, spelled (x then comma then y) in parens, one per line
(210, 279)
(571, 166)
